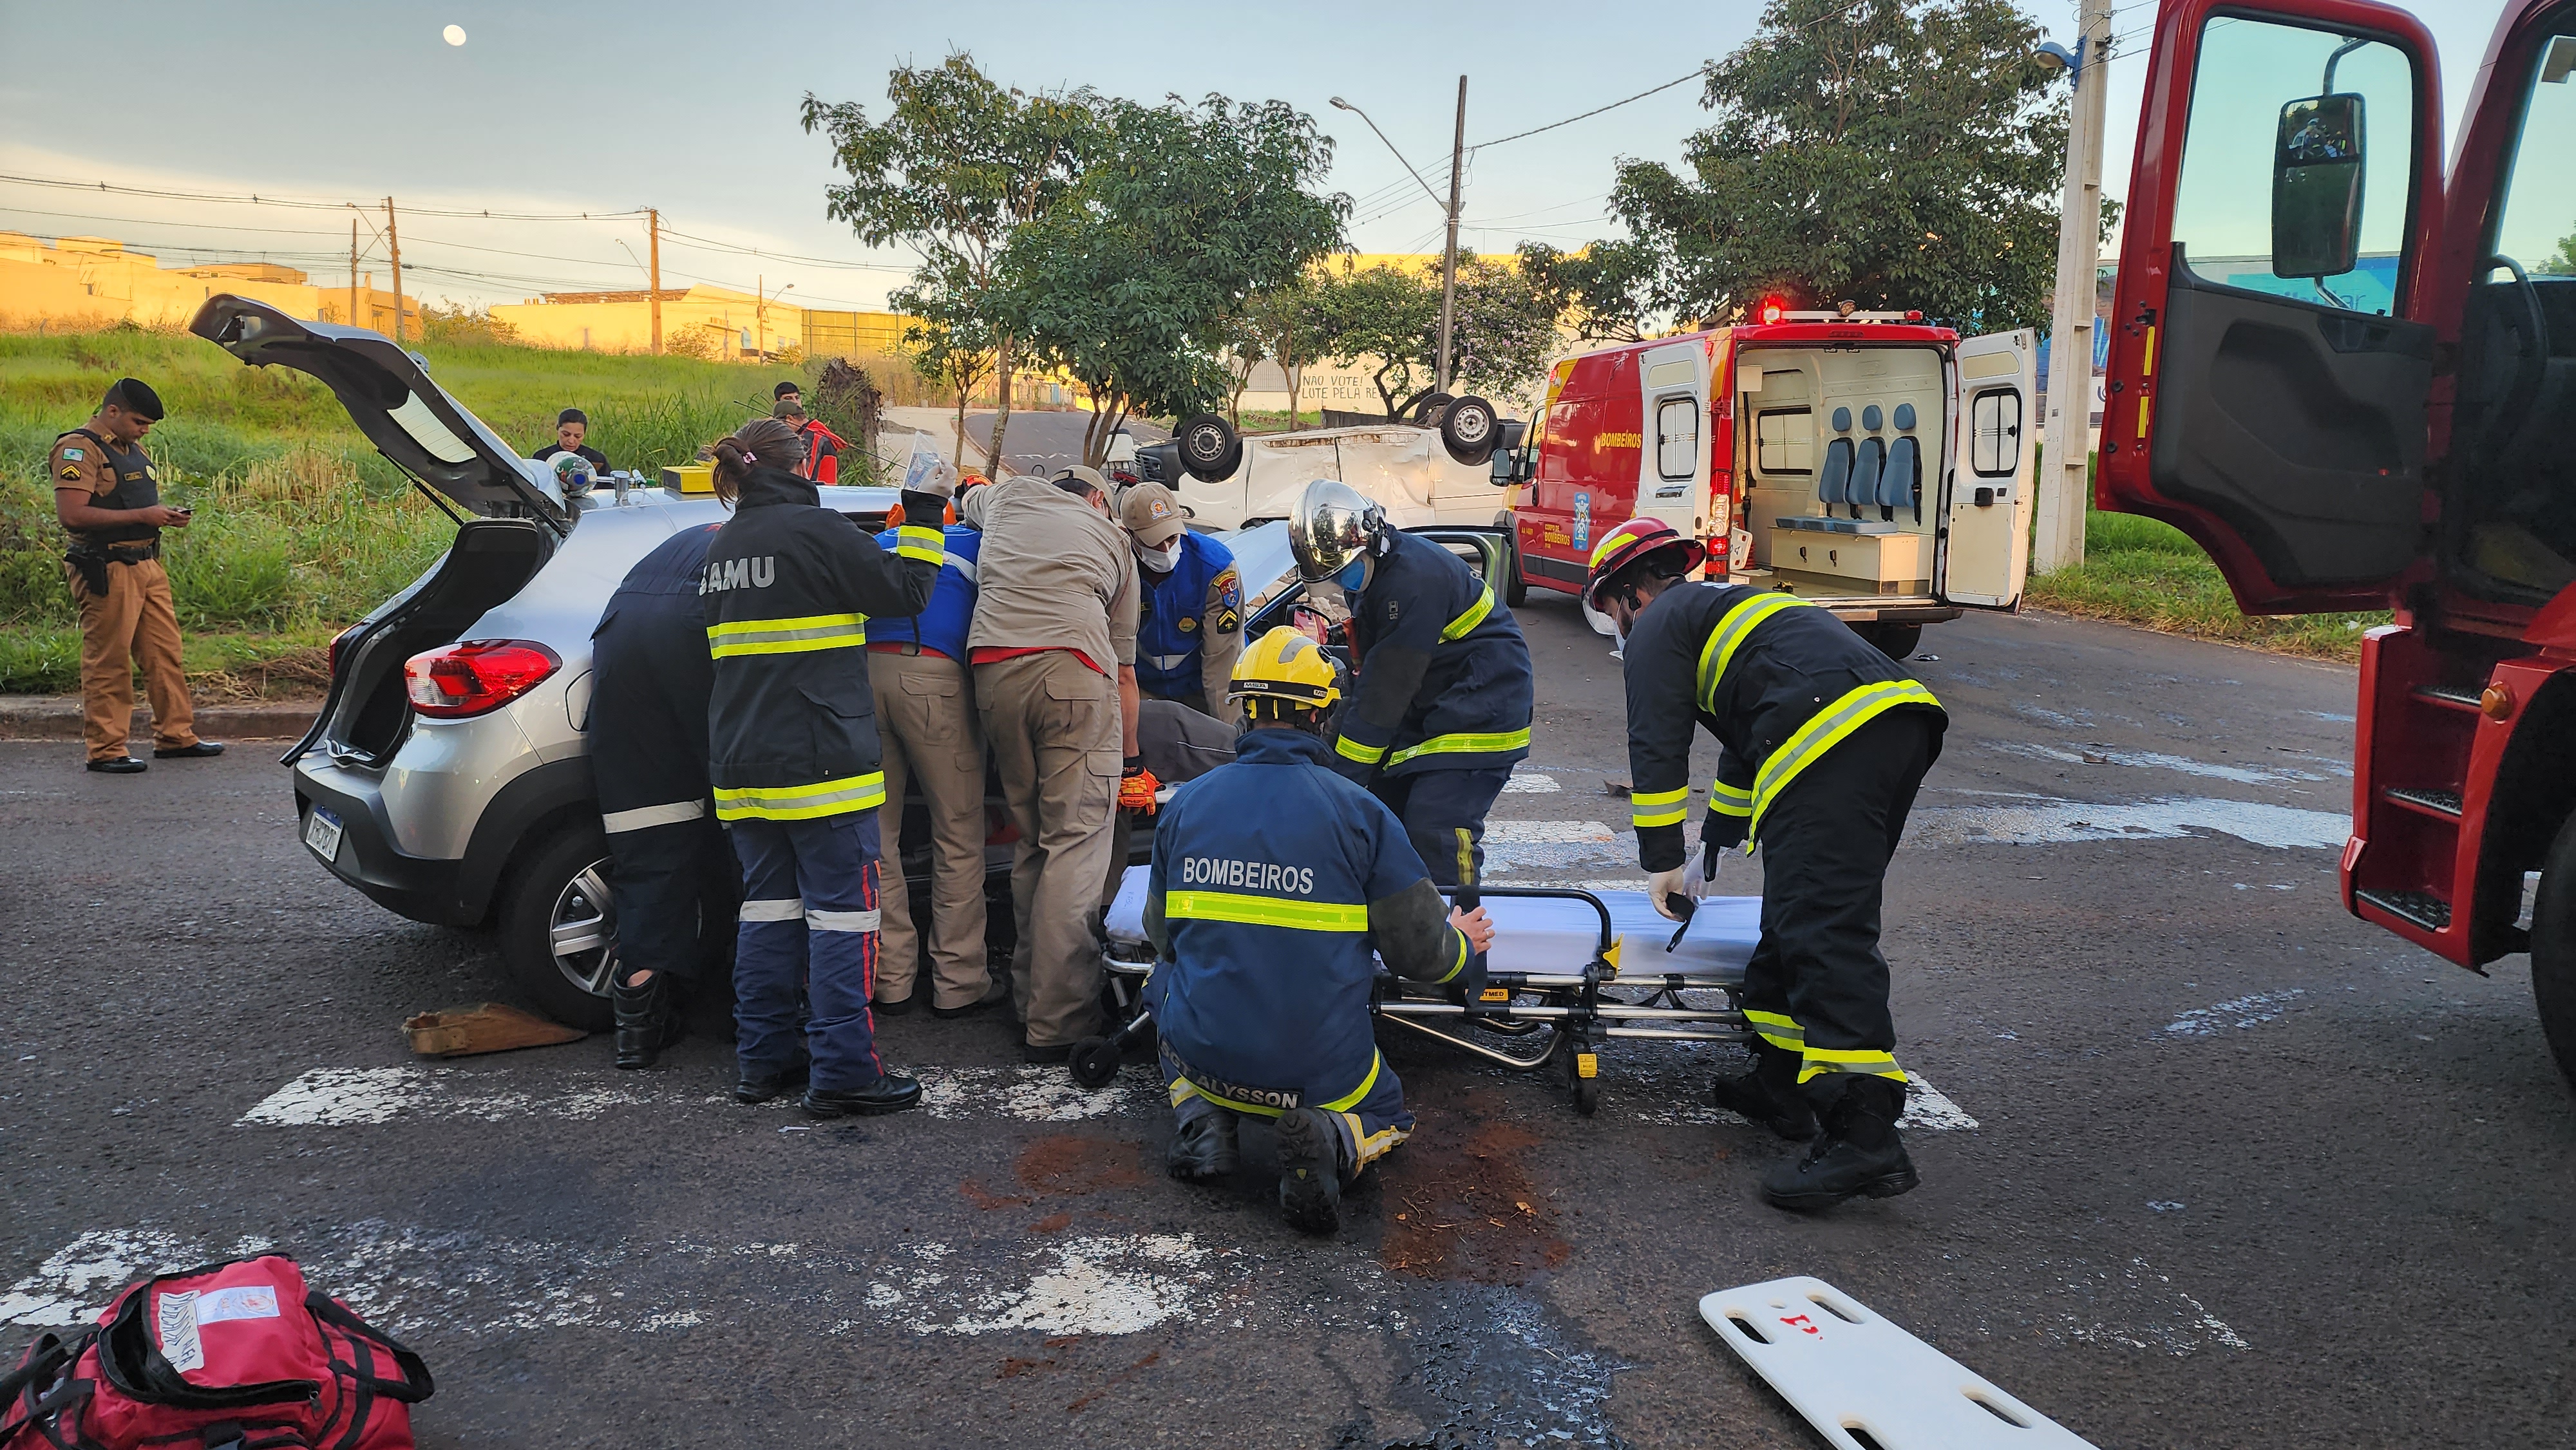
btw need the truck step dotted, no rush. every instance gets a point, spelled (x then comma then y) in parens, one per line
(2443, 803)
(2422, 908)
(2457, 697)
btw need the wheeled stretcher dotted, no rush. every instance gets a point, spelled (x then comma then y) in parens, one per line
(1568, 970)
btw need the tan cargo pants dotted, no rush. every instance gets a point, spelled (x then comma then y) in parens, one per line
(1052, 725)
(926, 724)
(134, 624)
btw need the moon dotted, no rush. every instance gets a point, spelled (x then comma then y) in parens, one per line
(455, 34)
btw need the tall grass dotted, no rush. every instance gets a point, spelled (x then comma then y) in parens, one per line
(2139, 571)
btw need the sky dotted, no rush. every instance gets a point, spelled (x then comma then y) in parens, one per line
(559, 108)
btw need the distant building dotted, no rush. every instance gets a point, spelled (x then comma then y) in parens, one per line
(93, 282)
(714, 321)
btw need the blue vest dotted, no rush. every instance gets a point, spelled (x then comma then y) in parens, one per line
(951, 609)
(1170, 627)
(1265, 869)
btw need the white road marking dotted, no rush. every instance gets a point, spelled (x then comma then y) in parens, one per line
(2248, 1011)
(1534, 833)
(1927, 1108)
(1094, 1284)
(1030, 1094)
(2153, 760)
(346, 1097)
(2057, 822)
(1530, 783)
(2164, 1317)
(1540, 845)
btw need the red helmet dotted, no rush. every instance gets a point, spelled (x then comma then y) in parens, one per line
(1630, 542)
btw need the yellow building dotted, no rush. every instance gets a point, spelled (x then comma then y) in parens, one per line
(716, 321)
(92, 282)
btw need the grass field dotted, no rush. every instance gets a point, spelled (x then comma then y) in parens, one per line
(301, 526)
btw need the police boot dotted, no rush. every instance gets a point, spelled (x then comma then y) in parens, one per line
(1202, 1148)
(1310, 1170)
(1859, 1152)
(1768, 1096)
(645, 1022)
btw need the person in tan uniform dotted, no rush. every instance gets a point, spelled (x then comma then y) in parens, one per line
(1054, 652)
(108, 501)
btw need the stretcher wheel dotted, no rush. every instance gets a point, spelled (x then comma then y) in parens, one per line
(1587, 1095)
(1095, 1062)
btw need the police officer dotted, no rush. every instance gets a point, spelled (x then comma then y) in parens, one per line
(794, 763)
(675, 883)
(925, 696)
(571, 426)
(108, 501)
(1443, 710)
(1274, 881)
(1822, 742)
(1189, 618)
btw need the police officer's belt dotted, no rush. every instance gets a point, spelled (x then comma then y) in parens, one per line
(91, 563)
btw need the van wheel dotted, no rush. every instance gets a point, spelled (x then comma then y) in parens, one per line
(1469, 431)
(1206, 442)
(1896, 641)
(1429, 411)
(2553, 950)
(559, 929)
(1515, 588)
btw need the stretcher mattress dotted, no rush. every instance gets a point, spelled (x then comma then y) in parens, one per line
(1555, 934)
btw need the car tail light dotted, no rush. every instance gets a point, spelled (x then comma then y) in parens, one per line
(475, 677)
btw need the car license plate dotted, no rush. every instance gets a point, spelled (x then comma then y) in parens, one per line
(322, 831)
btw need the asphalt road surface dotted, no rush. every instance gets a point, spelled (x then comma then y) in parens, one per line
(2211, 1164)
(1043, 443)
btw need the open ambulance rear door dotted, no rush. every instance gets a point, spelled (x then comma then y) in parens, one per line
(2271, 360)
(1985, 551)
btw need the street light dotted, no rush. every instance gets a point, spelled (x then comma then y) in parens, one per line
(1449, 258)
(760, 313)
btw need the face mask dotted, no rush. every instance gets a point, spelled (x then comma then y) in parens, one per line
(1354, 575)
(1163, 560)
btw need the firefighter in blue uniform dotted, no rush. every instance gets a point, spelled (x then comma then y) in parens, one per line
(1274, 880)
(1443, 711)
(1822, 742)
(1189, 622)
(794, 764)
(674, 881)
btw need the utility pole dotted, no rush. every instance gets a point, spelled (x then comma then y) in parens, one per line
(1449, 263)
(393, 244)
(653, 226)
(2064, 484)
(353, 274)
(760, 315)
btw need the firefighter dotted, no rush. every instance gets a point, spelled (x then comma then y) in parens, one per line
(1189, 621)
(1274, 881)
(794, 764)
(1822, 742)
(1443, 709)
(675, 883)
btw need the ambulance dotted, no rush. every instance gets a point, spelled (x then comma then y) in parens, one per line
(1876, 465)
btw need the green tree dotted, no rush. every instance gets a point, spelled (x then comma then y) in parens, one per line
(2562, 263)
(1899, 153)
(1288, 325)
(951, 343)
(957, 167)
(1503, 331)
(1137, 282)
(1604, 292)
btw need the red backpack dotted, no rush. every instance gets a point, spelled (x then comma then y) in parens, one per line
(232, 1356)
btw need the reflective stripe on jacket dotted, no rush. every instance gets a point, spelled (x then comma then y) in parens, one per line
(1780, 682)
(1444, 673)
(787, 591)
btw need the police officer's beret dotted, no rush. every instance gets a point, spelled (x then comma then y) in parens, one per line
(136, 397)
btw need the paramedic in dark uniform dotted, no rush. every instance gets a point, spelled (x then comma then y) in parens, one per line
(1189, 618)
(1444, 697)
(1822, 742)
(794, 764)
(673, 880)
(107, 499)
(1277, 884)
(571, 426)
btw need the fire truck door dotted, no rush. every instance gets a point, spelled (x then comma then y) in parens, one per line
(1986, 482)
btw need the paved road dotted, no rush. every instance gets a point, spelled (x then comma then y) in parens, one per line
(2225, 1168)
(1045, 442)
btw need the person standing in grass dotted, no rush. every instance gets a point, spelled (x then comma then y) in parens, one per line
(107, 499)
(571, 426)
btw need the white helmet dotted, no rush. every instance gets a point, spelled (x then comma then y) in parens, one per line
(1333, 524)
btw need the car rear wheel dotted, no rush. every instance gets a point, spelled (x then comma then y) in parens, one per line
(559, 928)
(2553, 950)
(1515, 588)
(1208, 448)
(1469, 431)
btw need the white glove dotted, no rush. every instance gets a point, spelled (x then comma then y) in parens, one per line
(1682, 880)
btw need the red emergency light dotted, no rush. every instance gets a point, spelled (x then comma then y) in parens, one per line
(1773, 307)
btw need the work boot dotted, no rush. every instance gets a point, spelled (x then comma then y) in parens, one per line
(1768, 1096)
(1202, 1148)
(119, 765)
(1859, 1152)
(759, 1087)
(202, 750)
(891, 1093)
(645, 1022)
(1310, 1170)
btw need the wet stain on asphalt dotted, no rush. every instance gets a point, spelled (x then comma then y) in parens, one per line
(1459, 1205)
(1120, 1378)
(1052, 1223)
(1071, 1163)
(987, 1200)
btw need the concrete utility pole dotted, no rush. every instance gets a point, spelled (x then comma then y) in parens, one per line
(2063, 484)
(1449, 263)
(653, 228)
(393, 244)
(353, 274)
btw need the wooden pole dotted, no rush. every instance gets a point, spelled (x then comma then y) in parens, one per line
(653, 226)
(352, 318)
(393, 244)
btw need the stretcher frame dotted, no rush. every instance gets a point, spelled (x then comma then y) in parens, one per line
(1567, 1015)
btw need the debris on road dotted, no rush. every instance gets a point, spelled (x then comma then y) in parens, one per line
(490, 1027)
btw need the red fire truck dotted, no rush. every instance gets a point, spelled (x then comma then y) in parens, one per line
(2352, 378)
(1876, 465)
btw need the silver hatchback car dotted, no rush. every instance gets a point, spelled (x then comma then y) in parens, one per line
(447, 775)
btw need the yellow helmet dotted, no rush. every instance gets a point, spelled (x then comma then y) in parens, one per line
(1287, 667)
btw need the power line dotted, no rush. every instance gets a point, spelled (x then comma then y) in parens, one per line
(1695, 72)
(308, 203)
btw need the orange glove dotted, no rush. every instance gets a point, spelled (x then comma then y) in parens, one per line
(1136, 791)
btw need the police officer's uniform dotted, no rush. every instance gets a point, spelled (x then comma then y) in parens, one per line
(1189, 627)
(925, 698)
(126, 613)
(1444, 702)
(787, 589)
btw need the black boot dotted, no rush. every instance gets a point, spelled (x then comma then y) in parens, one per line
(1768, 1096)
(645, 1022)
(1310, 1170)
(751, 1088)
(1202, 1149)
(1858, 1154)
(891, 1093)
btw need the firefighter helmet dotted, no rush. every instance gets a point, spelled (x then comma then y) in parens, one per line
(1290, 670)
(1333, 524)
(1637, 539)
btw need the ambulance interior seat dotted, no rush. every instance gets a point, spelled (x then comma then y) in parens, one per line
(1873, 460)
(1851, 476)
(1835, 486)
(1900, 484)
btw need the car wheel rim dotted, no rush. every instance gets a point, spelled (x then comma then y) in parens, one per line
(1470, 426)
(582, 930)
